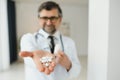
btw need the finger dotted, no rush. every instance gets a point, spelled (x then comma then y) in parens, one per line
(47, 71)
(53, 64)
(62, 53)
(39, 64)
(58, 58)
(25, 54)
(51, 68)
(40, 67)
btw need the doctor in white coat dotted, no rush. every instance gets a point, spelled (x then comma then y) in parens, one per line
(49, 58)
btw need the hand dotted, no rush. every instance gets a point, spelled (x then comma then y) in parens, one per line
(36, 56)
(63, 60)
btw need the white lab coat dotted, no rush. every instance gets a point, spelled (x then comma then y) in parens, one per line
(39, 41)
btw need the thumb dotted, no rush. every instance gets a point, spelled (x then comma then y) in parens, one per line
(25, 54)
(61, 53)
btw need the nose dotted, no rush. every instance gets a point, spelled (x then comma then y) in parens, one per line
(48, 22)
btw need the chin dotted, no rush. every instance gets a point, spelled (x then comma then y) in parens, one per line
(50, 31)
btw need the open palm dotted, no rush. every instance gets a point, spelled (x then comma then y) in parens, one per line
(36, 56)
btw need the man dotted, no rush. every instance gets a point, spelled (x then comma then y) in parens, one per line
(47, 54)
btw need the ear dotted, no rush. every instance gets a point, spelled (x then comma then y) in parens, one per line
(60, 19)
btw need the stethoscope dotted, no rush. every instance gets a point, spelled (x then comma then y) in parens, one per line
(61, 39)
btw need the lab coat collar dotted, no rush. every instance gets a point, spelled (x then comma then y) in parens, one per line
(45, 34)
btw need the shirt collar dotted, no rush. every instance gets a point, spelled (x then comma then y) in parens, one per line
(45, 34)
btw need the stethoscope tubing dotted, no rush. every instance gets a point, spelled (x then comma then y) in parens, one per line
(61, 40)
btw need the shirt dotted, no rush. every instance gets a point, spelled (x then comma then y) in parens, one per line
(39, 41)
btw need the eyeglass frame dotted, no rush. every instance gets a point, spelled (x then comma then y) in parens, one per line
(52, 18)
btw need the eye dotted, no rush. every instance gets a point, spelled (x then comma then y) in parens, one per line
(52, 18)
(44, 18)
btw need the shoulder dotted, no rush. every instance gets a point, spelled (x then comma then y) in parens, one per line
(28, 36)
(68, 40)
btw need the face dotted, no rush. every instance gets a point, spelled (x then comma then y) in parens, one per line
(49, 20)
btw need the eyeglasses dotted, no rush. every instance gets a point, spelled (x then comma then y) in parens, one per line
(53, 18)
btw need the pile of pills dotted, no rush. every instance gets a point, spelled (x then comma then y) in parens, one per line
(46, 60)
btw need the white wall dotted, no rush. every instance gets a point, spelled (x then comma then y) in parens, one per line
(75, 15)
(98, 39)
(26, 14)
(104, 40)
(4, 45)
(114, 41)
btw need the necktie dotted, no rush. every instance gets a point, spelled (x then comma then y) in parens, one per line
(52, 44)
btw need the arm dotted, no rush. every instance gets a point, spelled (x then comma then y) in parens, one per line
(75, 69)
(31, 53)
(36, 56)
(70, 60)
(63, 59)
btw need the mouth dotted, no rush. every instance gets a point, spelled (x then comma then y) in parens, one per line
(49, 25)
(50, 29)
